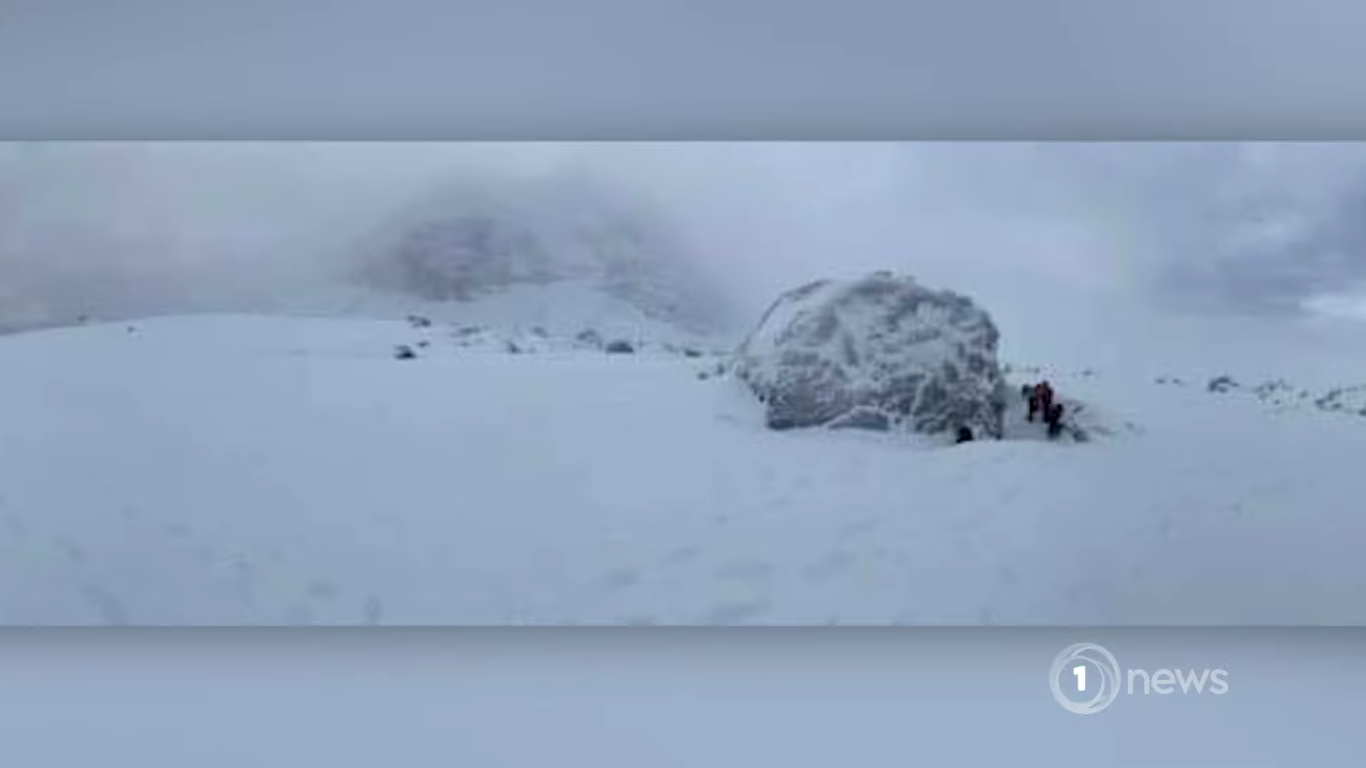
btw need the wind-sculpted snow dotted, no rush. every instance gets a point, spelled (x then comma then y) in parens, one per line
(874, 353)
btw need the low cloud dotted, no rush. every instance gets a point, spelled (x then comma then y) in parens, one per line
(1215, 228)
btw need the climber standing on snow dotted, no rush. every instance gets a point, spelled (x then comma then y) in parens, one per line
(1043, 394)
(1053, 418)
(1040, 400)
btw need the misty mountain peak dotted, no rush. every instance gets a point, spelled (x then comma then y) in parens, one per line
(471, 238)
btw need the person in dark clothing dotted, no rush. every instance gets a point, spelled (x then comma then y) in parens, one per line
(964, 435)
(1054, 420)
(1032, 394)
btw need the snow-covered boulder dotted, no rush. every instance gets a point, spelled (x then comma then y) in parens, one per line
(875, 353)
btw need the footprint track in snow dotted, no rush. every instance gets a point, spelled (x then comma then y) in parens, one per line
(734, 611)
(247, 573)
(320, 595)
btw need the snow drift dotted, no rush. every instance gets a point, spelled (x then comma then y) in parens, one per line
(876, 352)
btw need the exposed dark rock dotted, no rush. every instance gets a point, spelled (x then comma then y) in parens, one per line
(1221, 384)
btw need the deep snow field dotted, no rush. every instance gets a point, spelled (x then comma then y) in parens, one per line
(238, 469)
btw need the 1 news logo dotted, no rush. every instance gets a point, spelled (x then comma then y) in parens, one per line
(1086, 679)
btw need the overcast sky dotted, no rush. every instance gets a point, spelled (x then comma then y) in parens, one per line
(1214, 228)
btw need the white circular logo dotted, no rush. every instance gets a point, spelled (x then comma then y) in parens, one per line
(1092, 670)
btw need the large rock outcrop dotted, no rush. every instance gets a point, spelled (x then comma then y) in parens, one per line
(876, 353)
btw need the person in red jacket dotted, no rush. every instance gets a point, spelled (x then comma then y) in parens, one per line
(1044, 393)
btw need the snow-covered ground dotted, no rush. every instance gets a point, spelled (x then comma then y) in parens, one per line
(225, 469)
(560, 309)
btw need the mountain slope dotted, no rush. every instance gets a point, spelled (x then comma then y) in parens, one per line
(559, 308)
(469, 239)
(262, 470)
